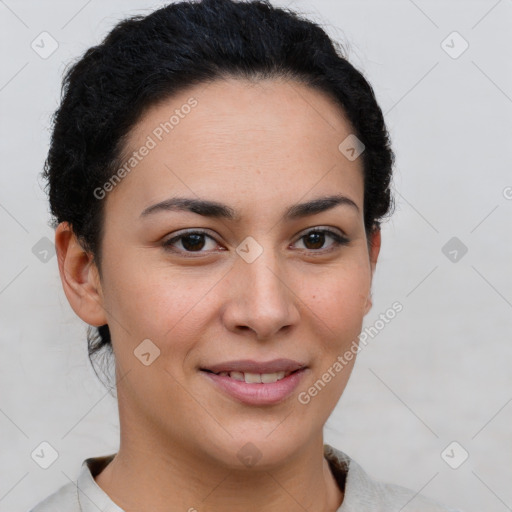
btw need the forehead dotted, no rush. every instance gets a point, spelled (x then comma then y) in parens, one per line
(241, 141)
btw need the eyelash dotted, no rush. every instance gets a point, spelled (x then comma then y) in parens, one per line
(339, 241)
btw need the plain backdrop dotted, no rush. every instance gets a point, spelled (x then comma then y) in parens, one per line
(434, 385)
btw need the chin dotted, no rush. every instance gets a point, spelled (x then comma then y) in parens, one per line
(257, 448)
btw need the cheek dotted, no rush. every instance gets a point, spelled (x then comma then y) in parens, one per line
(156, 302)
(152, 301)
(338, 299)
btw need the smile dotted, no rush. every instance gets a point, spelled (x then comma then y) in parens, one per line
(254, 383)
(255, 378)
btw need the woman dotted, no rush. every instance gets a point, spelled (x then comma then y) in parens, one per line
(217, 174)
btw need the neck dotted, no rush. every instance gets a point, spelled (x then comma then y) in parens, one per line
(145, 476)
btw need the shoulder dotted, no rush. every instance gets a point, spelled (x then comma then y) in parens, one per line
(84, 489)
(362, 492)
(62, 500)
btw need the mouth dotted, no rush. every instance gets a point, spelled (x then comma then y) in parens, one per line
(255, 383)
(254, 378)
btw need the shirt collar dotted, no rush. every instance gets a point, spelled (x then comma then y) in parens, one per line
(91, 496)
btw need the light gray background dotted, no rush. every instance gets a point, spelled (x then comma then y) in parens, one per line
(439, 372)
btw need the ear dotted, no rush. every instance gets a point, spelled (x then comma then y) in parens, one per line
(79, 276)
(374, 249)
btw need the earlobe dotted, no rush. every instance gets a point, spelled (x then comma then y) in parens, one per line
(368, 304)
(79, 276)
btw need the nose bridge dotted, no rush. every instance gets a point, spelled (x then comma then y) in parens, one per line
(262, 274)
(264, 301)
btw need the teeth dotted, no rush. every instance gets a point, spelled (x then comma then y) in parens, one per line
(254, 378)
(272, 377)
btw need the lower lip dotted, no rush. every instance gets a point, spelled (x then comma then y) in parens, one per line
(256, 393)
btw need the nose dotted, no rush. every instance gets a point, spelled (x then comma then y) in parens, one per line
(262, 298)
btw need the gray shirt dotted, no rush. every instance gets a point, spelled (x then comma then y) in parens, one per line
(361, 492)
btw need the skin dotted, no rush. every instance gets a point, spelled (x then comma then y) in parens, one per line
(258, 147)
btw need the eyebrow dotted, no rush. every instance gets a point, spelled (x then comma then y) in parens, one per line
(214, 209)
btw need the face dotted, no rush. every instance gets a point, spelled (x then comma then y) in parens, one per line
(257, 288)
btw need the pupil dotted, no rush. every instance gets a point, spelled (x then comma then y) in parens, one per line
(319, 239)
(197, 239)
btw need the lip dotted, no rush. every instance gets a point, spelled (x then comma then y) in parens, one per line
(249, 365)
(257, 393)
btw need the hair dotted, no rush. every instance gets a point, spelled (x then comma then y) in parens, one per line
(147, 59)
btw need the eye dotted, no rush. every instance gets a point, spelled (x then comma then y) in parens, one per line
(195, 241)
(191, 241)
(315, 239)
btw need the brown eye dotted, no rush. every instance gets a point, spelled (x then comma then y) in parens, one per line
(315, 239)
(191, 241)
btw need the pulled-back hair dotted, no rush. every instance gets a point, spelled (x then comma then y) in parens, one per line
(147, 59)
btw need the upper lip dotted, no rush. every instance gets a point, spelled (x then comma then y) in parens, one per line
(251, 366)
